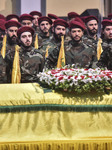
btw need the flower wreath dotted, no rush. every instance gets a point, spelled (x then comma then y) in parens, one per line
(77, 80)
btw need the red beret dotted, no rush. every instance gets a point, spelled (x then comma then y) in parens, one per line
(12, 23)
(107, 22)
(76, 24)
(2, 17)
(61, 22)
(36, 13)
(9, 17)
(25, 29)
(44, 18)
(2, 24)
(89, 18)
(26, 17)
(83, 18)
(79, 20)
(72, 15)
(110, 16)
(52, 16)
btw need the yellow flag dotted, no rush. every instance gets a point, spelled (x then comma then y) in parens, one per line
(36, 42)
(61, 57)
(16, 74)
(46, 55)
(99, 48)
(3, 50)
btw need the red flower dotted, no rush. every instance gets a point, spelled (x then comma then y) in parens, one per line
(60, 78)
(76, 77)
(82, 77)
(69, 77)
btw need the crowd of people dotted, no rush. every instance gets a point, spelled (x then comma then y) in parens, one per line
(39, 40)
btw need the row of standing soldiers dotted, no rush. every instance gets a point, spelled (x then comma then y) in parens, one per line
(40, 37)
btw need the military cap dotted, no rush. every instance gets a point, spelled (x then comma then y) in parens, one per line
(52, 16)
(61, 22)
(83, 18)
(11, 16)
(25, 29)
(72, 15)
(2, 24)
(79, 20)
(76, 24)
(26, 17)
(12, 23)
(107, 22)
(89, 18)
(44, 18)
(32, 13)
(110, 16)
(2, 17)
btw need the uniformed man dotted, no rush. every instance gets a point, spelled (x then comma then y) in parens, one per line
(106, 56)
(26, 20)
(12, 17)
(36, 15)
(59, 29)
(11, 34)
(31, 62)
(76, 52)
(91, 38)
(45, 34)
(2, 29)
(106, 34)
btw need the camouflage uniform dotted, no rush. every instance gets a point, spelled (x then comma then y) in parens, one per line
(106, 44)
(3, 76)
(42, 39)
(9, 47)
(106, 59)
(52, 44)
(31, 63)
(90, 42)
(78, 54)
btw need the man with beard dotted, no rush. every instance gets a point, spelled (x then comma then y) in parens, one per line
(59, 29)
(44, 26)
(11, 34)
(76, 52)
(31, 62)
(2, 29)
(91, 38)
(106, 56)
(36, 15)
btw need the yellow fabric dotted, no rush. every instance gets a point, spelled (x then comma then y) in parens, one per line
(3, 50)
(53, 129)
(46, 55)
(55, 125)
(36, 41)
(32, 93)
(61, 57)
(59, 145)
(99, 48)
(16, 74)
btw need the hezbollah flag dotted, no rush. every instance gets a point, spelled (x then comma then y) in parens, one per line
(99, 48)
(36, 42)
(3, 50)
(61, 57)
(16, 74)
